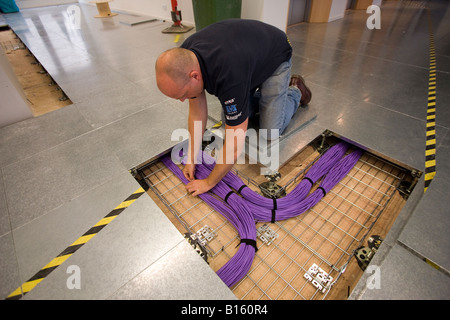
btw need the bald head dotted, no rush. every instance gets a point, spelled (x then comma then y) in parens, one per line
(175, 63)
(178, 70)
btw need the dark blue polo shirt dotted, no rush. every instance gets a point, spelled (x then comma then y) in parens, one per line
(236, 56)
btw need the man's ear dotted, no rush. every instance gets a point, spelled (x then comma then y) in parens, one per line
(195, 75)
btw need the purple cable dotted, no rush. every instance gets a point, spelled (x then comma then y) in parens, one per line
(300, 191)
(239, 215)
(239, 265)
(242, 212)
(297, 206)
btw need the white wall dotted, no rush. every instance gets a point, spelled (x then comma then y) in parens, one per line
(274, 12)
(270, 11)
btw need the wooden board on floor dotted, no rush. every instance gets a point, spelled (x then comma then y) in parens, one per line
(43, 95)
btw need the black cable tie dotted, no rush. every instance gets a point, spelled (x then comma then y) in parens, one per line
(310, 181)
(274, 204)
(323, 190)
(228, 194)
(273, 215)
(242, 187)
(250, 242)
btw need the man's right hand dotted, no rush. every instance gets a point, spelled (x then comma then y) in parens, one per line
(189, 171)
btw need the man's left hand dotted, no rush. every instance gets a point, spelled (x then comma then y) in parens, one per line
(197, 187)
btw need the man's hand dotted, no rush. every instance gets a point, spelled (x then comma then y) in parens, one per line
(189, 171)
(197, 187)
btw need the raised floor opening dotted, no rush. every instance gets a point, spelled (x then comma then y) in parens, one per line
(319, 254)
(41, 91)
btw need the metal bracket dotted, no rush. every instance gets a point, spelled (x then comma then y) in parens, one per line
(323, 146)
(270, 189)
(406, 187)
(318, 277)
(266, 235)
(193, 241)
(205, 235)
(365, 254)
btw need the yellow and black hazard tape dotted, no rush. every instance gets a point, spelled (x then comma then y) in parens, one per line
(65, 254)
(430, 146)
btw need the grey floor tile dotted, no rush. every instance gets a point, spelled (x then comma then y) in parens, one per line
(387, 132)
(75, 70)
(337, 79)
(26, 138)
(426, 231)
(5, 225)
(396, 88)
(328, 104)
(377, 81)
(138, 70)
(305, 66)
(49, 179)
(84, 86)
(57, 54)
(117, 103)
(147, 83)
(443, 100)
(442, 154)
(121, 56)
(44, 238)
(145, 134)
(320, 52)
(176, 276)
(138, 237)
(403, 276)
(9, 276)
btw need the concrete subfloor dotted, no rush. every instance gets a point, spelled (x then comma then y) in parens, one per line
(64, 171)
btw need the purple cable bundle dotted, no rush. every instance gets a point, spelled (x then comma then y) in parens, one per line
(318, 170)
(336, 174)
(239, 215)
(243, 211)
(239, 265)
(296, 205)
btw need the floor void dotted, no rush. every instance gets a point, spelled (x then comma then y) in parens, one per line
(364, 204)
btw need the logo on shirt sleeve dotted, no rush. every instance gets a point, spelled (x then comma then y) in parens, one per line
(231, 111)
(229, 101)
(231, 108)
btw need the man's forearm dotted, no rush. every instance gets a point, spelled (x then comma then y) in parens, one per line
(227, 156)
(219, 171)
(198, 115)
(196, 129)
